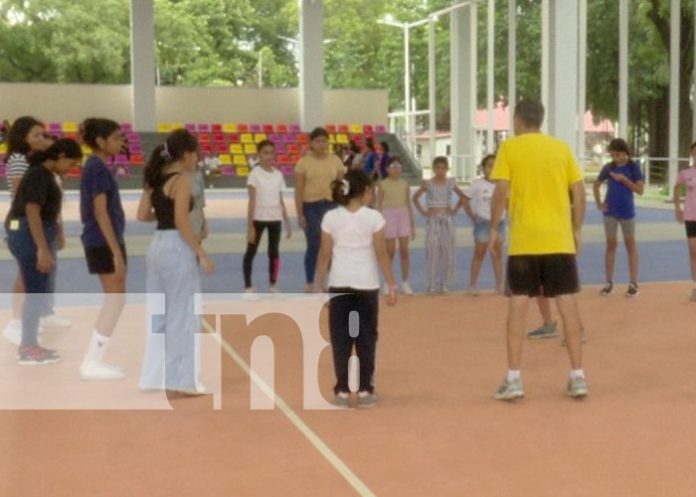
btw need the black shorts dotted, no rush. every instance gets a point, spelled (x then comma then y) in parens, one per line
(549, 275)
(100, 260)
(690, 229)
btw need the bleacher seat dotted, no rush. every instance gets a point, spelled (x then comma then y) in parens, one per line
(216, 128)
(295, 128)
(303, 138)
(356, 129)
(239, 160)
(243, 128)
(267, 128)
(342, 139)
(190, 127)
(204, 138)
(250, 148)
(229, 128)
(343, 128)
(227, 171)
(164, 127)
(368, 130)
(380, 129)
(293, 149)
(255, 128)
(218, 137)
(287, 170)
(247, 138)
(126, 127)
(177, 125)
(70, 127)
(281, 128)
(137, 159)
(203, 128)
(225, 159)
(331, 129)
(236, 149)
(221, 148)
(242, 171)
(259, 137)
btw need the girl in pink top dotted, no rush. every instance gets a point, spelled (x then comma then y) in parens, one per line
(687, 177)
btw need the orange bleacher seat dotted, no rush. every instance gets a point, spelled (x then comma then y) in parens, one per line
(243, 128)
(74, 172)
(250, 148)
(229, 128)
(242, 171)
(259, 137)
(294, 159)
(247, 138)
(236, 149)
(331, 129)
(283, 159)
(73, 136)
(302, 138)
(343, 128)
(204, 137)
(293, 149)
(137, 159)
(281, 128)
(239, 160)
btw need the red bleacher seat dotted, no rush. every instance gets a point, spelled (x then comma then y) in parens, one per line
(283, 159)
(219, 137)
(293, 149)
(302, 138)
(281, 128)
(233, 138)
(221, 148)
(216, 128)
(206, 148)
(368, 130)
(267, 128)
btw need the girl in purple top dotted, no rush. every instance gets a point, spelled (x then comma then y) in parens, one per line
(624, 178)
(103, 224)
(687, 180)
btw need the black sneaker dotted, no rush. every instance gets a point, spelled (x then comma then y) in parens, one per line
(632, 290)
(34, 355)
(607, 290)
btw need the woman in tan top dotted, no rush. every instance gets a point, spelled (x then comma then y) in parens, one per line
(314, 174)
(394, 202)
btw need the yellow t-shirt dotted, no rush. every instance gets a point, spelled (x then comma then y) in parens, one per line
(318, 174)
(540, 170)
(395, 192)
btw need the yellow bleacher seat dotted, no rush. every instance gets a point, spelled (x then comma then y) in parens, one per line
(250, 148)
(240, 160)
(342, 139)
(177, 126)
(236, 149)
(259, 137)
(243, 171)
(332, 138)
(247, 138)
(356, 129)
(3, 148)
(229, 128)
(86, 149)
(225, 160)
(164, 127)
(69, 127)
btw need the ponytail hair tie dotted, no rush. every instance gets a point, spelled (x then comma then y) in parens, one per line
(345, 187)
(165, 152)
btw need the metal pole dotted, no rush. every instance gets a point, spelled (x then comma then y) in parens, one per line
(407, 89)
(431, 85)
(512, 60)
(582, 78)
(675, 29)
(490, 75)
(623, 68)
(545, 59)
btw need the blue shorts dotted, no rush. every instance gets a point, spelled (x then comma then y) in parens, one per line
(482, 230)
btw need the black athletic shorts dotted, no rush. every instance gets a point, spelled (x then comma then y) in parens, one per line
(690, 229)
(100, 260)
(549, 275)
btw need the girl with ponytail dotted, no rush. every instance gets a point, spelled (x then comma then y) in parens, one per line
(172, 266)
(103, 227)
(32, 233)
(352, 244)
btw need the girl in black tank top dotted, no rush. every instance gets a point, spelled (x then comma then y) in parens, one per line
(163, 204)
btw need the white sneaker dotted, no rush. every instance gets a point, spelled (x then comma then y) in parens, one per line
(275, 290)
(406, 288)
(250, 295)
(54, 321)
(13, 332)
(100, 370)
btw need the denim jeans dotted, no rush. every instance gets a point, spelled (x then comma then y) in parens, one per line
(38, 286)
(171, 346)
(313, 213)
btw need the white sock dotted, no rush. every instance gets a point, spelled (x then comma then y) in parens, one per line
(513, 375)
(97, 347)
(577, 374)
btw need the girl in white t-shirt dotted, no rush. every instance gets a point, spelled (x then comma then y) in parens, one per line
(352, 242)
(266, 211)
(477, 205)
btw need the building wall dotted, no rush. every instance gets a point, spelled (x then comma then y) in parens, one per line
(55, 102)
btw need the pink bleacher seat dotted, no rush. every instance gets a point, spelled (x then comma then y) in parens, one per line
(243, 128)
(357, 138)
(255, 128)
(268, 129)
(281, 128)
(295, 128)
(126, 127)
(135, 148)
(203, 128)
(287, 170)
(133, 137)
(190, 127)
(55, 127)
(227, 171)
(289, 138)
(121, 159)
(216, 128)
(380, 129)
(280, 147)
(275, 138)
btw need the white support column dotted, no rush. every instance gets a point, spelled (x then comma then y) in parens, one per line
(623, 68)
(408, 129)
(490, 75)
(512, 59)
(563, 64)
(545, 58)
(693, 85)
(431, 87)
(144, 110)
(582, 79)
(311, 64)
(463, 89)
(674, 55)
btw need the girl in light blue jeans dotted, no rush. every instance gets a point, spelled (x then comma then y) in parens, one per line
(172, 268)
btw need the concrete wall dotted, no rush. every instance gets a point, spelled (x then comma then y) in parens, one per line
(50, 102)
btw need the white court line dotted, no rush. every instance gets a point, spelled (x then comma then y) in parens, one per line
(321, 446)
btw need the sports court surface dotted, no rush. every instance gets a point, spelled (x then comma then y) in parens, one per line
(437, 430)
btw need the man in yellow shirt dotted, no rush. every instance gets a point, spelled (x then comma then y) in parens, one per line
(536, 171)
(314, 174)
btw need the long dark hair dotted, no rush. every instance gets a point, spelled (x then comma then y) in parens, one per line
(178, 142)
(66, 148)
(96, 127)
(353, 185)
(17, 136)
